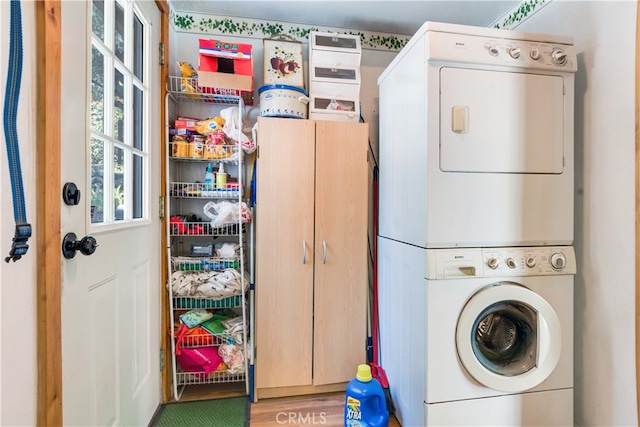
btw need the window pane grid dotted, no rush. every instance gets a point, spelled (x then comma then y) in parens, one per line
(119, 127)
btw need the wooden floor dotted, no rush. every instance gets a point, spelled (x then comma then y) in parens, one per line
(314, 410)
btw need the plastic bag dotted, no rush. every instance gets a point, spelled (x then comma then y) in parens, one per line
(201, 361)
(224, 213)
(232, 129)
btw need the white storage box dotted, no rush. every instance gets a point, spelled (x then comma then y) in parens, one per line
(333, 48)
(345, 74)
(334, 90)
(335, 81)
(335, 109)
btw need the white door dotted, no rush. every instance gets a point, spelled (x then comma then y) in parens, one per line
(110, 150)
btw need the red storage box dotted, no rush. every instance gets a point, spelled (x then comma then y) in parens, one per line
(226, 68)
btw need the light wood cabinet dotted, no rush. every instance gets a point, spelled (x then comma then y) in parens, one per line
(311, 252)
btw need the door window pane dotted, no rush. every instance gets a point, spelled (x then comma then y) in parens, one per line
(97, 19)
(138, 48)
(97, 180)
(119, 187)
(137, 187)
(97, 90)
(119, 32)
(118, 106)
(138, 117)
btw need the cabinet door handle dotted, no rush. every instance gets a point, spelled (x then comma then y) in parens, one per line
(304, 252)
(324, 252)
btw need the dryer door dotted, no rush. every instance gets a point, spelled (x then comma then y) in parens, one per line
(508, 337)
(501, 122)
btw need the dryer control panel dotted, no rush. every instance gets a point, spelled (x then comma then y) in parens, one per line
(500, 262)
(500, 51)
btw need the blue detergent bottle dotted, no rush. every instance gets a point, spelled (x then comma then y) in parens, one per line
(365, 404)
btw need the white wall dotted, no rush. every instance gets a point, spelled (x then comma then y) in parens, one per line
(604, 36)
(18, 361)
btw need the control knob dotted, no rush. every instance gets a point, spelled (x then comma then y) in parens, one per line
(511, 263)
(559, 56)
(493, 51)
(558, 261)
(535, 54)
(492, 263)
(514, 52)
(531, 262)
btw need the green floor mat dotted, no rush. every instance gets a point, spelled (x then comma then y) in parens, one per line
(230, 412)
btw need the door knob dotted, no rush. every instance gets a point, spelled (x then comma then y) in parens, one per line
(87, 245)
(70, 194)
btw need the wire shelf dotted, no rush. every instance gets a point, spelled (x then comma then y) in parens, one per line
(205, 339)
(203, 264)
(181, 228)
(196, 190)
(186, 150)
(188, 303)
(187, 88)
(195, 378)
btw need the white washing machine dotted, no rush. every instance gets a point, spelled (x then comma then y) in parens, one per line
(477, 336)
(476, 139)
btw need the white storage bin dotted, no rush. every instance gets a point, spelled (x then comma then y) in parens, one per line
(333, 48)
(334, 90)
(334, 108)
(345, 74)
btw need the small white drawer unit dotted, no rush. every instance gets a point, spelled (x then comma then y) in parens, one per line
(334, 108)
(343, 80)
(334, 48)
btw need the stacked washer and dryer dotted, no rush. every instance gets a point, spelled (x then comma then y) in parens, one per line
(475, 263)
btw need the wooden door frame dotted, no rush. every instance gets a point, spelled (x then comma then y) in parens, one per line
(637, 219)
(48, 237)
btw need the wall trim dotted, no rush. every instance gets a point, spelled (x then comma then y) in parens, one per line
(259, 29)
(519, 13)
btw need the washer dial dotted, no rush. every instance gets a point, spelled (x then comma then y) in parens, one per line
(511, 263)
(492, 263)
(531, 262)
(558, 261)
(535, 54)
(515, 52)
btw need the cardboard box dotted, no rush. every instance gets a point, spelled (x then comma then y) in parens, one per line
(226, 67)
(186, 123)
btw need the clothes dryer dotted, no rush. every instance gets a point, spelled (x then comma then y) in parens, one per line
(476, 139)
(477, 336)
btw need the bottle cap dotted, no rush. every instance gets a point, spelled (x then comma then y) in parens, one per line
(364, 373)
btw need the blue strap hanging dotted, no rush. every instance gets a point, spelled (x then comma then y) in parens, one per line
(12, 93)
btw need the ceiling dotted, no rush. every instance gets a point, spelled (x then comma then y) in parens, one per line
(395, 17)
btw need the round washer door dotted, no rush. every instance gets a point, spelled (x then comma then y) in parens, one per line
(508, 337)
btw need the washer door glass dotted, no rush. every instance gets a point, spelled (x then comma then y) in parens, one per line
(505, 339)
(508, 337)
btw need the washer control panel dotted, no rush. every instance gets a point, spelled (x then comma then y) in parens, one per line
(500, 262)
(547, 260)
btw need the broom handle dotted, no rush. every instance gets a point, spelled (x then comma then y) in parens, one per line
(374, 332)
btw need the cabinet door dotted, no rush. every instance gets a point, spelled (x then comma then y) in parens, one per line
(341, 261)
(284, 233)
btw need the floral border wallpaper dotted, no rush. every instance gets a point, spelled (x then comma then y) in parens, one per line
(519, 13)
(221, 25)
